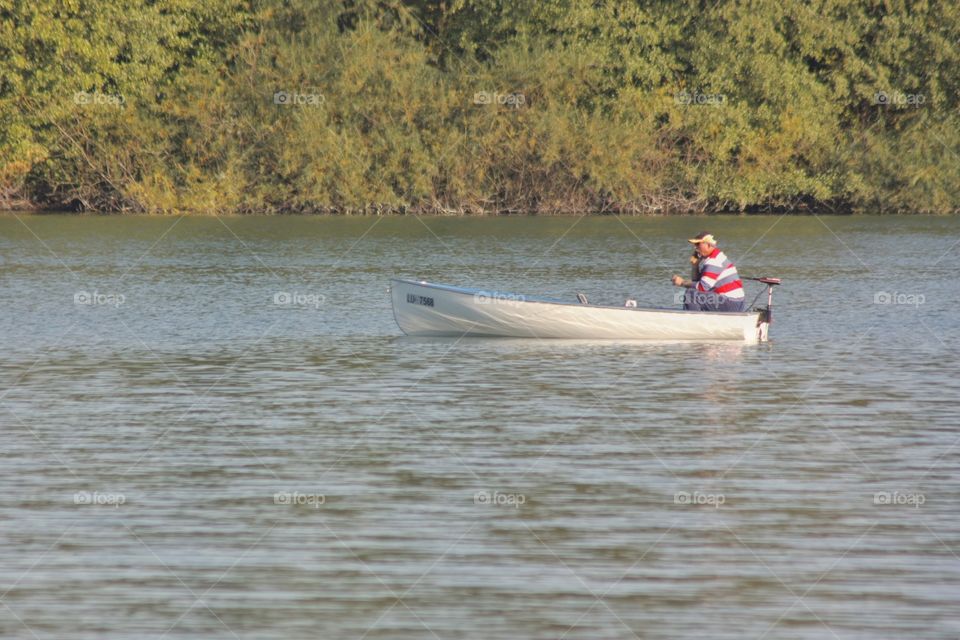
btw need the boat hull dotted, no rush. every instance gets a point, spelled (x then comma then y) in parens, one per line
(425, 309)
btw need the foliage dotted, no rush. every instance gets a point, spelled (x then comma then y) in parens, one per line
(470, 106)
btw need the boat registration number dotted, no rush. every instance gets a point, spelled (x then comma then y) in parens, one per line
(424, 300)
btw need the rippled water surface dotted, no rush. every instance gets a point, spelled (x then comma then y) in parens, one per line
(185, 455)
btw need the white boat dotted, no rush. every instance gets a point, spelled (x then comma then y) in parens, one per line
(427, 309)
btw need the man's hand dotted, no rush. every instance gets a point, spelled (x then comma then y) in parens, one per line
(677, 281)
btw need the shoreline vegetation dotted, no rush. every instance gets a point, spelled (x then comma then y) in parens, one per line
(479, 107)
(34, 210)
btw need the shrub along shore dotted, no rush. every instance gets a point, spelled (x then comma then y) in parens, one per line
(480, 106)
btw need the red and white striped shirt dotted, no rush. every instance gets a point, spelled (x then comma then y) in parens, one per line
(719, 275)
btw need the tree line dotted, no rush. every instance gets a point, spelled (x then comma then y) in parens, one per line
(480, 106)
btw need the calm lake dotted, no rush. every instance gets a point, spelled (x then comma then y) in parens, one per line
(213, 428)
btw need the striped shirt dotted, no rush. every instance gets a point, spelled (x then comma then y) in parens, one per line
(719, 275)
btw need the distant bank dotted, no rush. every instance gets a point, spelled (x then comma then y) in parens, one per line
(373, 211)
(479, 107)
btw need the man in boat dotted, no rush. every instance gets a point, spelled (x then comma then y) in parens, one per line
(715, 283)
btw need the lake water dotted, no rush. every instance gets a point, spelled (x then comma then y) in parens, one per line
(213, 428)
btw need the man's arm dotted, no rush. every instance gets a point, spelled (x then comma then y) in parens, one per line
(694, 274)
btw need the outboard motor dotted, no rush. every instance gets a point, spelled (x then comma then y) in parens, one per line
(766, 314)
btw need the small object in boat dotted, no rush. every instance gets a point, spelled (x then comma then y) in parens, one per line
(630, 303)
(582, 298)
